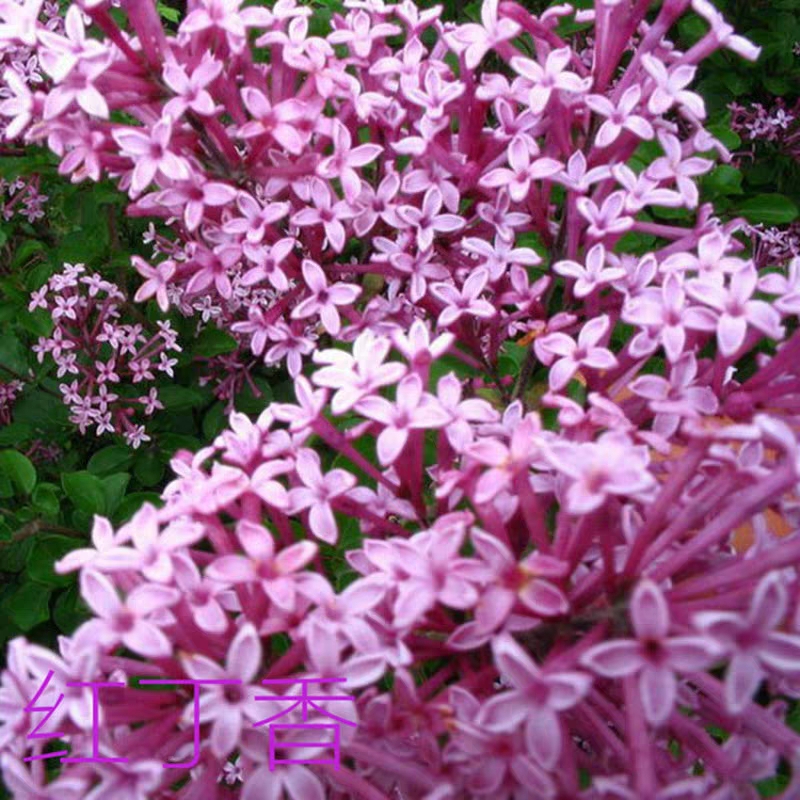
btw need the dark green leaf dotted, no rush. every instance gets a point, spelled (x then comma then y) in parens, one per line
(13, 354)
(133, 502)
(86, 491)
(250, 403)
(180, 398)
(110, 459)
(114, 487)
(69, 610)
(28, 606)
(724, 180)
(44, 554)
(148, 469)
(45, 499)
(213, 342)
(40, 410)
(214, 421)
(771, 209)
(16, 433)
(19, 470)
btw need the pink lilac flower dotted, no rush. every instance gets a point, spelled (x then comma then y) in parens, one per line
(467, 300)
(654, 656)
(670, 88)
(567, 356)
(523, 170)
(325, 298)
(536, 699)
(477, 40)
(412, 409)
(127, 621)
(620, 117)
(276, 573)
(151, 154)
(736, 308)
(594, 275)
(753, 641)
(552, 76)
(316, 494)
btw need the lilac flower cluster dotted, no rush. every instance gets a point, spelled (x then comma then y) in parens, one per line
(22, 198)
(773, 245)
(590, 671)
(778, 125)
(578, 584)
(106, 364)
(19, 59)
(282, 213)
(9, 391)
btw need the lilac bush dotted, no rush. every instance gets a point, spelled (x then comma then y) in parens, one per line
(535, 497)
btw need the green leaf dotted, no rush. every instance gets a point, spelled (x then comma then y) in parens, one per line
(449, 363)
(148, 469)
(724, 180)
(45, 499)
(133, 502)
(46, 551)
(28, 606)
(214, 421)
(692, 28)
(736, 83)
(507, 366)
(777, 84)
(41, 410)
(13, 354)
(69, 610)
(180, 398)
(14, 556)
(19, 470)
(16, 433)
(771, 209)
(38, 323)
(114, 487)
(249, 403)
(86, 491)
(24, 252)
(725, 135)
(170, 443)
(213, 342)
(168, 13)
(110, 459)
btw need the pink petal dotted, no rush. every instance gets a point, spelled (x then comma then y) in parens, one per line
(658, 689)
(244, 654)
(543, 737)
(649, 611)
(614, 659)
(543, 598)
(147, 640)
(231, 569)
(323, 523)
(742, 680)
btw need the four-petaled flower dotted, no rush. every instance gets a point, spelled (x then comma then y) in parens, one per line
(571, 356)
(523, 170)
(548, 78)
(752, 641)
(413, 409)
(536, 699)
(323, 298)
(654, 655)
